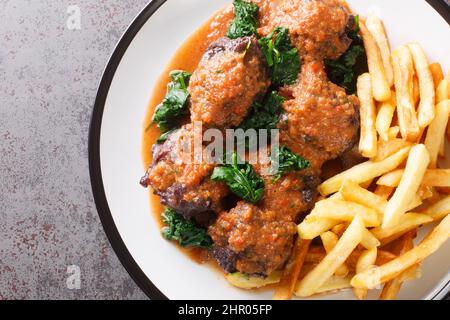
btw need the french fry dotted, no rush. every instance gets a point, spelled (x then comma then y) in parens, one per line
(365, 262)
(441, 94)
(437, 73)
(334, 283)
(380, 86)
(376, 29)
(369, 241)
(364, 172)
(393, 132)
(386, 110)
(416, 202)
(351, 191)
(336, 196)
(443, 90)
(403, 64)
(416, 91)
(426, 111)
(413, 273)
(448, 132)
(286, 286)
(329, 241)
(373, 277)
(247, 282)
(416, 166)
(339, 229)
(439, 210)
(367, 184)
(431, 178)
(368, 139)
(346, 211)
(333, 260)
(388, 148)
(436, 131)
(391, 288)
(388, 241)
(426, 192)
(397, 247)
(409, 222)
(435, 194)
(443, 144)
(307, 267)
(442, 148)
(385, 114)
(311, 228)
(384, 257)
(384, 191)
(391, 179)
(316, 255)
(437, 178)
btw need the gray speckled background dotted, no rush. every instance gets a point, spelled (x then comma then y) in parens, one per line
(48, 82)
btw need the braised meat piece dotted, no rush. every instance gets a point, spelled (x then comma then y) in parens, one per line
(257, 239)
(322, 120)
(266, 9)
(318, 28)
(230, 76)
(182, 184)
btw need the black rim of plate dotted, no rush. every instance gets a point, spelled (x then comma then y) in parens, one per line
(125, 257)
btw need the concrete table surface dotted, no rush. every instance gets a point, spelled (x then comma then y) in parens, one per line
(49, 72)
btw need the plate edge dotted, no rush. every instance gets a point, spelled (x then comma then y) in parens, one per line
(98, 190)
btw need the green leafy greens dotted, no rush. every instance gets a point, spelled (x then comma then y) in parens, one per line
(165, 136)
(265, 114)
(289, 161)
(185, 232)
(343, 71)
(282, 58)
(174, 105)
(241, 179)
(245, 22)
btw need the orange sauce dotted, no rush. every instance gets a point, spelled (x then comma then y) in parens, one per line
(185, 58)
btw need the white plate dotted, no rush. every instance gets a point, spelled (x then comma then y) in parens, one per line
(115, 145)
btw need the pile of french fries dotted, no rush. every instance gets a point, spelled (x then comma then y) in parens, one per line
(369, 215)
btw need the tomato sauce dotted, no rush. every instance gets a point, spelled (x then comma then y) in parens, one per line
(186, 58)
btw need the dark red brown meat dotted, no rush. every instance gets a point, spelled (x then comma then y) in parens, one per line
(322, 120)
(181, 183)
(230, 76)
(317, 27)
(257, 239)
